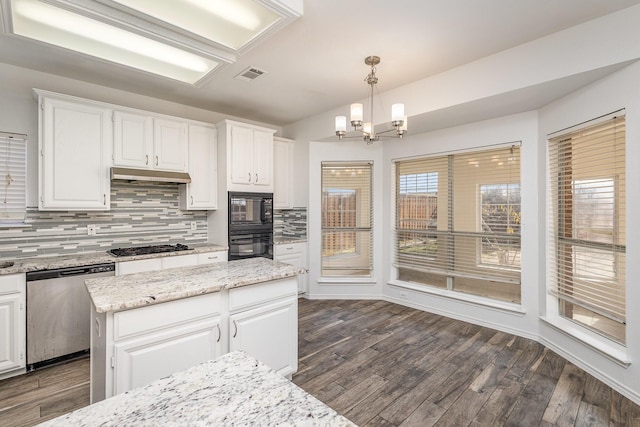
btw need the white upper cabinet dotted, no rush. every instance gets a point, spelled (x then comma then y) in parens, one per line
(133, 139)
(170, 145)
(202, 192)
(148, 142)
(249, 152)
(283, 173)
(75, 154)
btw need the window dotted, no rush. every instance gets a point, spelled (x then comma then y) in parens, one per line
(500, 213)
(587, 233)
(13, 160)
(346, 220)
(458, 222)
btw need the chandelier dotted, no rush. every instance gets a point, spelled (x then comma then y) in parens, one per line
(367, 130)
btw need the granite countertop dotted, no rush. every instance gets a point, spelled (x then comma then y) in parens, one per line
(139, 289)
(24, 265)
(233, 390)
(288, 240)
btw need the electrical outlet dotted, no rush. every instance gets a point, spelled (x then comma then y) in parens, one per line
(194, 225)
(91, 230)
(403, 295)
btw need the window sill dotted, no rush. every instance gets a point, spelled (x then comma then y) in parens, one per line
(346, 280)
(467, 298)
(614, 352)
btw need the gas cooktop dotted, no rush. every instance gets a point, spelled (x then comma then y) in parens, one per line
(144, 250)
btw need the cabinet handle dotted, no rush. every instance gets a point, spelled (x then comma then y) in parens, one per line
(290, 248)
(104, 200)
(256, 178)
(156, 160)
(219, 333)
(191, 200)
(146, 160)
(235, 330)
(249, 176)
(213, 257)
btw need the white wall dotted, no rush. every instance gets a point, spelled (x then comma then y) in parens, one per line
(619, 90)
(19, 112)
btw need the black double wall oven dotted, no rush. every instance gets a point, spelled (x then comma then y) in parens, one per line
(250, 225)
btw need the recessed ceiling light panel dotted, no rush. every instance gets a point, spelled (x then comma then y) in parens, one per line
(231, 23)
(50, 24)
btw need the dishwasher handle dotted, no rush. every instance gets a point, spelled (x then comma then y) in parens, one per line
(70, 271)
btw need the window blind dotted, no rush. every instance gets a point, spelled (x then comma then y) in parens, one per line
(587, 217)
(347, 217)
(13, 152)
(458, 219)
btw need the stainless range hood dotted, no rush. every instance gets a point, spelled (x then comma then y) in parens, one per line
(150, 175)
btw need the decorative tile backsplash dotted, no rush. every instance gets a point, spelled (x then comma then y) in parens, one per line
(142, 213)
(290, 223)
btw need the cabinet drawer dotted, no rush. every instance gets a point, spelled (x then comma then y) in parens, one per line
(291, 248)
(138, 266)
(248, 296)
(154, 317)
(212, 257)
(12, 283)
(179, 261)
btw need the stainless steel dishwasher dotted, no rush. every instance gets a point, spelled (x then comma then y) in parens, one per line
(59, 313)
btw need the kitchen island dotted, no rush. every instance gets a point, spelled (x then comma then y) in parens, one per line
(234, 389)
(146, 326)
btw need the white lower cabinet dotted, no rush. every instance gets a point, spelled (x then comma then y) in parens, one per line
(294, 254)
(134, 347)
(211, 257)
(142, 360)
(12, 325)
(265, 333)
(156, 264)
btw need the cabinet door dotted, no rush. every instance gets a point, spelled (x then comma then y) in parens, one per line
(269, 333)
(294, 254)
(170, 145)
(141, 361)
(75, 147)
(263, 161)
(241, 151)
(282, 174)
(133, 140)
(202, 192)
(11, 333)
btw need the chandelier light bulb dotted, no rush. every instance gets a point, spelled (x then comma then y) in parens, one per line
(367, 128)
(397, 112)
(341, 124)
(356, 112)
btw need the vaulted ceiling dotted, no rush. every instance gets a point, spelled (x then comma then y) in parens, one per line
(316, 64)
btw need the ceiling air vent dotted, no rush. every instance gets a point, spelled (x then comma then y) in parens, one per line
(250, 73)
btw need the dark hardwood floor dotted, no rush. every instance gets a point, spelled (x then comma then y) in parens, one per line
(381, 364)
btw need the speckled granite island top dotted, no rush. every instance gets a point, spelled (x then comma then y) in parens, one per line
(140, 289)
(233, 390)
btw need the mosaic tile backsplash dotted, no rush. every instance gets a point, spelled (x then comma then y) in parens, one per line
(142, 213)
(290, 223)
